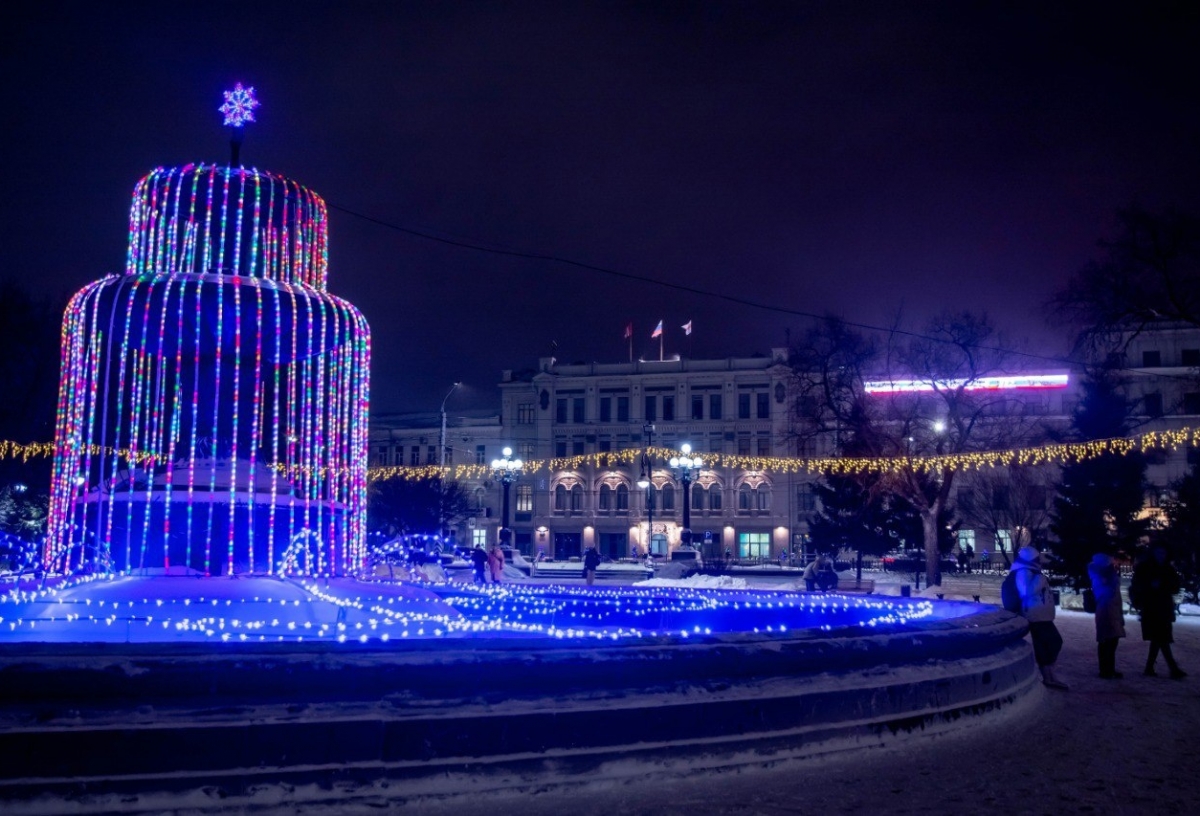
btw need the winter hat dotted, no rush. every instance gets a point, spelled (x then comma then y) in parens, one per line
(1028, 555)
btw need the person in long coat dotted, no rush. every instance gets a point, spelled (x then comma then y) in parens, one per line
(496, 562)
(1110, 614)
(1152, 590)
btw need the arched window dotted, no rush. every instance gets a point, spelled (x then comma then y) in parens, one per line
(745, 499)
(714, 497)
(764, 497)
(560, 497)
(577, 498)
(622, 498)
(668, 498)
(604, 500)
(480, 498)
(697, 497)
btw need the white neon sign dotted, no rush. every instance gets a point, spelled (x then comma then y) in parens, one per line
(1039, 381)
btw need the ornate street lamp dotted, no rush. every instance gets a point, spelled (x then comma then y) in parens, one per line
(685, 467)
(645, 482)
(506, 470)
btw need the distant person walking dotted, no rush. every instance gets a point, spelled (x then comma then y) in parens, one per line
(1152, 592)
(1110, 617)
(1037, 606)
(479, 564)
(496, 562)
(591, 561)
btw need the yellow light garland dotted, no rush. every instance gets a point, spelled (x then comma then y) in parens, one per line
(1056, 454)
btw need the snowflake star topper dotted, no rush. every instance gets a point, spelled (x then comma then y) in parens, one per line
(239, 106)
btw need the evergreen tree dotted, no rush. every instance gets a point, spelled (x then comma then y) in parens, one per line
(416, 506)
(1100, 499)
(858, 515)
(1182, 535)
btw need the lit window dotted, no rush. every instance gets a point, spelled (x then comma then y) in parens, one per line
(754, 545)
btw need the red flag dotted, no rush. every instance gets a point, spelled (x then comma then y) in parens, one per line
(629, 330)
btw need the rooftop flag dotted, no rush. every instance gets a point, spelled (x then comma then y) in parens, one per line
(629, 330)
(657, 330)
(687, 327)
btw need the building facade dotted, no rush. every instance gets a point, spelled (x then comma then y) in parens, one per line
(567, 417)
(574, 414)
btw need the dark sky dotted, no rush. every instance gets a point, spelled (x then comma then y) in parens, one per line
(870, 159)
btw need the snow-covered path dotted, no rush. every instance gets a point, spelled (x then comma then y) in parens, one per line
(1105, 747)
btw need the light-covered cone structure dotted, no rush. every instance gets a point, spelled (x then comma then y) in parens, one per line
(212, 410)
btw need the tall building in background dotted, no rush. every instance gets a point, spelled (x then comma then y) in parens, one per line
(213, 401)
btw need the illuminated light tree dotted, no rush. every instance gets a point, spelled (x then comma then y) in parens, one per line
(213, 398)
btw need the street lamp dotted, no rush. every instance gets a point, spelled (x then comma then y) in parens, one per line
(646, 483)
(506, 470)
(442, 446)
(684, 467)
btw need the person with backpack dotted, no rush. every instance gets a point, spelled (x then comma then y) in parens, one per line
(1035, 601)
(1110, 616)
(1152, 592)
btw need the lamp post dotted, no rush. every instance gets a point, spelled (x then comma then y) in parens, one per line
(506, 470)
(442, 446)
(646, 483)
(684, 467)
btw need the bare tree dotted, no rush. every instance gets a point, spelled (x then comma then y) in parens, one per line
(1012, 501)
(934, 407)
(1149, 272)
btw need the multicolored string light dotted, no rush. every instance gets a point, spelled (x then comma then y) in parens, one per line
(213, 401)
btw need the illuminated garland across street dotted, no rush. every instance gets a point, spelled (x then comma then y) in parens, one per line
(1058, 454)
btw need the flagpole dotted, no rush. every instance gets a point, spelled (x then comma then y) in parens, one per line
(629, 334)
(660, 345)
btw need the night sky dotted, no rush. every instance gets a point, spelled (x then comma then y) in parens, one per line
(877, 160)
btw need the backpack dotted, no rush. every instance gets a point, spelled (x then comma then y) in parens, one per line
(1010, 596)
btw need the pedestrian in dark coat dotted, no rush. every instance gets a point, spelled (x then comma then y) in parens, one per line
(591, 561)
(479, 563)
(1110, 615)
(1152, 590)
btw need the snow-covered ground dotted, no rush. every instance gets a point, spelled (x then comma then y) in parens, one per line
(1105, 747)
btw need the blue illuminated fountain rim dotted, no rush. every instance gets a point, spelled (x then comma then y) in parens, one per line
(264, 610)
